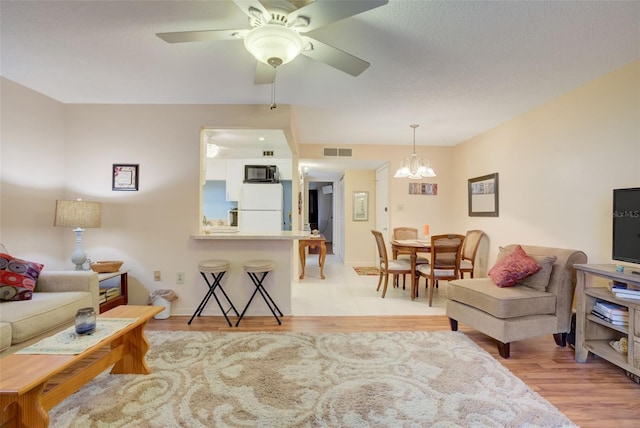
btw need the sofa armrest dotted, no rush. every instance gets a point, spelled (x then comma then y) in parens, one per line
(61, 281)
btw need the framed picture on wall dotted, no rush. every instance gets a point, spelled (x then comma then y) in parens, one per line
(124, 176)
(360, 206)
(483, 196)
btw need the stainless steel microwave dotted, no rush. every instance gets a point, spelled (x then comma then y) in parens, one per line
(261, 174)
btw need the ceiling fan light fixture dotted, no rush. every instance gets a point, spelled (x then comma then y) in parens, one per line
(272, 42)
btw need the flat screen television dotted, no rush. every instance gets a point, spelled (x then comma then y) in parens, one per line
(626, 225)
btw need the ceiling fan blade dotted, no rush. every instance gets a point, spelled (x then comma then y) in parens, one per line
(334, 57)
(265, 74)
(254, 9)
(202, 36)
(320, 13)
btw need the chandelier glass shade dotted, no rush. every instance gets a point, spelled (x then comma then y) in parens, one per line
(414, 167)
(273, 44)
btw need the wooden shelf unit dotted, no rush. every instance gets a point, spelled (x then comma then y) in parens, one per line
(123, 297)
(594, 334)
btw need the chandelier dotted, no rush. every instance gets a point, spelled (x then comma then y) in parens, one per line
(414, 166)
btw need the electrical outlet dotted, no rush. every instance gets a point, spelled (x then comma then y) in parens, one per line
(156, 275)
(180, 278)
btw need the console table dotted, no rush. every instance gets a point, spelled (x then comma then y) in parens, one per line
(110, 280)
(312, 243)
(592, 333)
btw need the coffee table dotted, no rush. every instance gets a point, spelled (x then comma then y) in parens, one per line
(32, 384)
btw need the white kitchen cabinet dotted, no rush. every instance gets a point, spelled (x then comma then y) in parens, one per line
(234, 176)
(216, 169)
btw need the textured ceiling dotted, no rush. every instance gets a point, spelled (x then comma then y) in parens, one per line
(458, 68)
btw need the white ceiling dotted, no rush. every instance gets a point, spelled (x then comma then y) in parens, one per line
(457, 68)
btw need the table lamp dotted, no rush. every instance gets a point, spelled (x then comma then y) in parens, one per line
(425, 230)
(78, 214)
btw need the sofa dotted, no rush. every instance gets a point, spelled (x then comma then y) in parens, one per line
(536, 305)
(57, 297)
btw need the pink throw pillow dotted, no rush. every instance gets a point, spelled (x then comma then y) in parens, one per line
(512, 268)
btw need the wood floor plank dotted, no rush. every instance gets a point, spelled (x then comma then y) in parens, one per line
(593, 394)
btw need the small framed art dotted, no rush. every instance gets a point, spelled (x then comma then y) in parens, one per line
(124, 176)
(483, 196)
(360, 206)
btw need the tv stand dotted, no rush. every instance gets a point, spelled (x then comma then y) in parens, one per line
(594, 334)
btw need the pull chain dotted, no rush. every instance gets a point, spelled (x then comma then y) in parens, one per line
(273, 91)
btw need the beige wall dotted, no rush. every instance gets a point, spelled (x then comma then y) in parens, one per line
(405, 209)
(558, 165)
(359, 243)
(51, 150)
(33, 170)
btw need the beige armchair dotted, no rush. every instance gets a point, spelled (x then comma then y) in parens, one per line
(518, 312)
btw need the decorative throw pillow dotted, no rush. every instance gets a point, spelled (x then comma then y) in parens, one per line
(513, 267)
(539, 280)
(17, 277)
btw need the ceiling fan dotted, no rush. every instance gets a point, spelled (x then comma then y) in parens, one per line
(277, 33)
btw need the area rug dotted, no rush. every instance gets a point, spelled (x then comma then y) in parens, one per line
(387, 379)
(367, 270)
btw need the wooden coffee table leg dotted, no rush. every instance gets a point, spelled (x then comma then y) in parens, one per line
(136, 347)
(25, 410)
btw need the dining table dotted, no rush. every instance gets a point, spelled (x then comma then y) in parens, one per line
(411, 247)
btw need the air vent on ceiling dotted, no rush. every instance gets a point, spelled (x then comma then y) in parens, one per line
(267, 153)
(333, 152)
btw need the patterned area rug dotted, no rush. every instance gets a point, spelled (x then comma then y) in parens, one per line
(387, 379)
(367, 270)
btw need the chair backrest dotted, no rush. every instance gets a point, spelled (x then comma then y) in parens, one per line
(405, 233)
(471, 244)
(382, 248)
(445, 253)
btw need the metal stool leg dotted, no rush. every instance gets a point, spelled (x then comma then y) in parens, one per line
(265, 295)
(215, 283)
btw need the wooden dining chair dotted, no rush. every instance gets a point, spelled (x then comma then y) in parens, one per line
(400, 233)
(469, 251)
(444, 261)
(394, 267)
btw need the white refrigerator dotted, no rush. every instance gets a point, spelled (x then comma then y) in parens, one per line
(260, 207)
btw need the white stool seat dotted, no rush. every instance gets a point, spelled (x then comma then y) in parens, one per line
(258, 266)
(213, 266)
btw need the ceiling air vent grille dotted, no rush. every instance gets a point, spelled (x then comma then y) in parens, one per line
(334, 152)
(267, 153)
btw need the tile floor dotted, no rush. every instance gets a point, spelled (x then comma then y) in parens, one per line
(344, 292)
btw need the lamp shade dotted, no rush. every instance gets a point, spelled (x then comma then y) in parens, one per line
(273, 41)
(78, 213)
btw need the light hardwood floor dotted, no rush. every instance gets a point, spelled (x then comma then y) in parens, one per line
(594, 394)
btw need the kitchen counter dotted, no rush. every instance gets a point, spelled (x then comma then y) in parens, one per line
(237, 248)
(285, 235)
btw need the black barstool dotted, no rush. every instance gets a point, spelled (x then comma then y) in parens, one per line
(258, 270)
(217, 269)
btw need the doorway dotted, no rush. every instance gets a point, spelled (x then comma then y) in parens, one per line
(321, 210)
